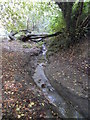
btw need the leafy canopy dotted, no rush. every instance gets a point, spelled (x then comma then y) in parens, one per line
(39, 16)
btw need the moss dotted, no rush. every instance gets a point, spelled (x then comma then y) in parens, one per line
(59, 43)
(39, 44)
(27, 46)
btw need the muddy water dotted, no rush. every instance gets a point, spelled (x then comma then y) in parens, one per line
(65, 110)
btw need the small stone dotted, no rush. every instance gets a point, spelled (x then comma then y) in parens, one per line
(43, 85)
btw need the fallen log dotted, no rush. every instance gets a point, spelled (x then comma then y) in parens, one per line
(32, 37)
(11, 37)
(12, 34)
(39, 37)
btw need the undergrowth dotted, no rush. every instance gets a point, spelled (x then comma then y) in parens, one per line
(62, 42)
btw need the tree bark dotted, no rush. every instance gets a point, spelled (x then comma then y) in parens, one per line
(66, 8)
(32, 37)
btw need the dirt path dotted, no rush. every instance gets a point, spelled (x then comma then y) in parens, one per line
(21, 98)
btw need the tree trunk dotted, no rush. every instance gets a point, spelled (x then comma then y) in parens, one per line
(66, 8)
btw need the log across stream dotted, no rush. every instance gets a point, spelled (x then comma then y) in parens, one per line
(64, 109)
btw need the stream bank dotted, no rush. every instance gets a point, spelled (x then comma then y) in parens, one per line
(65, 101)
(67, 72)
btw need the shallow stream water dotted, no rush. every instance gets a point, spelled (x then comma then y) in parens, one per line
(65, 109)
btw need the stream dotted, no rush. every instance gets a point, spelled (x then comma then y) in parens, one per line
(65, 109)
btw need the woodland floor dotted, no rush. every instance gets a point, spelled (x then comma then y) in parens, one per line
(20, 96)
(22, 99)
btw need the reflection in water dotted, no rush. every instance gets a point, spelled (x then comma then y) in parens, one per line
(64, 108)
(44, 50)
(51, 98)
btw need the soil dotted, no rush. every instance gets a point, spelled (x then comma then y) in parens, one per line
(21, 98)
(68, 74)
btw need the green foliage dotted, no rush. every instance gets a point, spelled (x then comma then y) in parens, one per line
(39, 45)
(27, 46)
(76, 31)
(45, 17)
(22, 14)
(13, 16)
(57, 22)
(80, 29)
(85, 11)
(60, 42)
